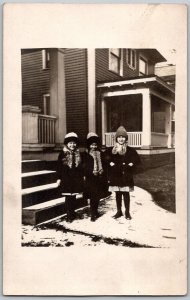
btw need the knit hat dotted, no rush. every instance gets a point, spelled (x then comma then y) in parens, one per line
(71, 136)
(121, 131)
(92, 138)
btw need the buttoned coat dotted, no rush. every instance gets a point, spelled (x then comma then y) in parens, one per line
(119, 172)
(71, 178)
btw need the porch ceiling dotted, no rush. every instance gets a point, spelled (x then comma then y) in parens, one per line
(154, 83)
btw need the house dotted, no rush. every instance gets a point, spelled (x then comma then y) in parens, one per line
(96, 90)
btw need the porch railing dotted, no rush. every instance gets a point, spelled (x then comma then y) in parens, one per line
(37, 129)
(134, 139)
(46, 129)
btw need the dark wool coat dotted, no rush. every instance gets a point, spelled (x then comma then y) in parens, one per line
(121, 174)
(71, 178)
(94, 184)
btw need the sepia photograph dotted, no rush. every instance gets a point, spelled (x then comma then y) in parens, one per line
(94, 149)
(98, 147)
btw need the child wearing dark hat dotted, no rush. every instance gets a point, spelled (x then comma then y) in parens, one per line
(70, 173)
(93, 171)
(122, 161)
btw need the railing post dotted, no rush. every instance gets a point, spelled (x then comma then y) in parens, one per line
(146, 119)
(30, 124)
(168, 124)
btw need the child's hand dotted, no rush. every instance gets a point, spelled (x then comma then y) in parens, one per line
(112, 164)
(58, 182)
(130, 164)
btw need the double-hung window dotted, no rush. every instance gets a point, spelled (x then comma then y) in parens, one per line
(143, 66)
(45, 59)
(131, 58)
(115, 60)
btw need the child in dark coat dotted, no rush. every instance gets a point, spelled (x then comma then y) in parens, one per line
(70, 173)
(93, 171)
(122, 161)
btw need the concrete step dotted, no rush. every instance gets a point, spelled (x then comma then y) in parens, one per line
(31, 179)
(42, 212)
(39, 194)
(33, 165)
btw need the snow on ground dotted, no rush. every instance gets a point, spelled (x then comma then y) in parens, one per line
(151, 226)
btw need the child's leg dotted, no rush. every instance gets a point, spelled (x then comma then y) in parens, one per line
(69, 205)
(96, 207)
(93, 209)
(118, 203)
(126, 197)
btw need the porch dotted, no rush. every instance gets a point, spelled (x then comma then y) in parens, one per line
(144, 106)
(135, 139)
(38, 131)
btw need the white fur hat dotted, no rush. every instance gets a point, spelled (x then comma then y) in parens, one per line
(71, 136)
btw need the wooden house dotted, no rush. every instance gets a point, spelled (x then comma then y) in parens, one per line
(84, 90)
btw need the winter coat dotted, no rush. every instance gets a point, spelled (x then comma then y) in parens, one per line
(94, 184)
(71, 177)
(121, 174)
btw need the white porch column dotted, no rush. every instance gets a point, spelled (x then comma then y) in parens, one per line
(168, 124)
(146, 119)
(104, 121)
(91, 91)
(57, 93)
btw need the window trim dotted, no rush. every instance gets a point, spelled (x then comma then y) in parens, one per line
(130, 63)
(146, 61)
(120, 57)
(45, 96)
(45, 59)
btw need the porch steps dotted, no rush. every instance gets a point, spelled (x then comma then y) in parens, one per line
(32, 165)
(38, 213)
(36, 178)
(41, 199)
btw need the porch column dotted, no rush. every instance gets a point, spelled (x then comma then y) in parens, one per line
(104, 121)
(57, 93)
(91, 91)
(146, 119)
(168, 124)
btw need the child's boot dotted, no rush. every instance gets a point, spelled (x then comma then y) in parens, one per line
(126, 197)
(118, 203)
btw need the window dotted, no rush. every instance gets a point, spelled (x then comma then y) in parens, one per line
(115, 60)
(45, 59)
(46, 104)
(143, 66)
(131, 58)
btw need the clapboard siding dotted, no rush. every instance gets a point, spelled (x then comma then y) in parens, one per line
(35, 80)
(102, 67)
(76, 91)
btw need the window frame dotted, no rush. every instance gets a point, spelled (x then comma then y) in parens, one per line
(45, 59)
(146, 66)
(129, 61)
(120, 61)
(45, 105)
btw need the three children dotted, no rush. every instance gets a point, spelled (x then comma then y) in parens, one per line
(86, 172)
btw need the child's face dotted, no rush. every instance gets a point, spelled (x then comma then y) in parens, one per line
(121, 140)
(71, 145)
(93, 146)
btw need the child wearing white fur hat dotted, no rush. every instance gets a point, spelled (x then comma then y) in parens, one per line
(70, 173)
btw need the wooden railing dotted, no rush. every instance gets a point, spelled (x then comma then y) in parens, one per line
(134, 139)
(46, 129)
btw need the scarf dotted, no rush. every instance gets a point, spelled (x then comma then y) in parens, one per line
(97, 162)
(120, 149)
(71, 158)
